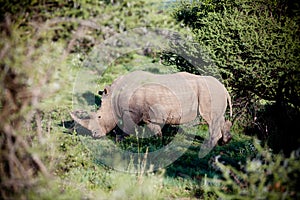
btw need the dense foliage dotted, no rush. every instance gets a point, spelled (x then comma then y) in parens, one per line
(265, 176)
(256, 47)
(254, 43)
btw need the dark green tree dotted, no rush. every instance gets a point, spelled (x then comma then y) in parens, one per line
(256, 47)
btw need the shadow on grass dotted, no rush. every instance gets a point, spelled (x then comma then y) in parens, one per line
(276, 125)
(88, 98)
(189, 165)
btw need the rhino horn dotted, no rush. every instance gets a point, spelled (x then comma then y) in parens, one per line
(82, 122)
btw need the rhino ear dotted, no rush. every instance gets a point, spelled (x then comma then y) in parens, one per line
(106, 90)
(82, 122)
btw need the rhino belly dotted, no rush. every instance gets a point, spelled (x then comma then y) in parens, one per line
(164, 114)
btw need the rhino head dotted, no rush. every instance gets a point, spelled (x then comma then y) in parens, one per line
(101, 122)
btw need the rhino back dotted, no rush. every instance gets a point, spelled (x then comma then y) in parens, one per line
(171, 98)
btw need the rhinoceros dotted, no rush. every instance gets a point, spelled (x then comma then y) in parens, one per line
(156, 100)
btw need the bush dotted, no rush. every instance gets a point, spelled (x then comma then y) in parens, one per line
(22, 87)
(266, 176)
(254, 44)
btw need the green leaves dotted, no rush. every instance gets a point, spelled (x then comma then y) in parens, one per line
(266, 176)
(255, 46)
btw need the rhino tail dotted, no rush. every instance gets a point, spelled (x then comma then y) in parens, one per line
(229, 102)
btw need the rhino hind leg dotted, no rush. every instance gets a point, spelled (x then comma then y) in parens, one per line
(216, 130)
(226, 136)
(215, 134)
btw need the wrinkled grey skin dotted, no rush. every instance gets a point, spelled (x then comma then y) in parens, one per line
(155, 100)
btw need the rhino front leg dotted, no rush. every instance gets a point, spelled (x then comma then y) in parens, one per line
(155, 128)
(129, 123)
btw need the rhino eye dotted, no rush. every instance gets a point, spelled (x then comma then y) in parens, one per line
(99, 117)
